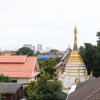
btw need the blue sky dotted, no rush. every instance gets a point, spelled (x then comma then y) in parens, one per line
(49, 22)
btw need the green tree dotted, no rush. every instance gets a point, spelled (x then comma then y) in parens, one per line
(48, 66)
(91, 56)
(25, 51)
(53, 51)
(45, 89)
(28, 90)
(97, 60)
(0, 95)
(37, 53)
(4, 78)
(88, 54)
(98, 34)
(58, 59)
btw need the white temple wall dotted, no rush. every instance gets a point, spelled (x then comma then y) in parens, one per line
(75, 67)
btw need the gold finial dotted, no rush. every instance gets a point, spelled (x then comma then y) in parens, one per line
(75, 38)
(91, 75)
(77, 79)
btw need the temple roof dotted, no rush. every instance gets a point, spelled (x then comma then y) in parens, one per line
(19, 66)
(10, 88)
(89, 90)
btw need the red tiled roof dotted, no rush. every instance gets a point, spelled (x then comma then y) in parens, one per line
(12, 59)
(18, 66)
(8, 53)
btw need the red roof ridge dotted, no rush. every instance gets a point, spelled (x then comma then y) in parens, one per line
(34, 66)
(13, 59)
(25, 58)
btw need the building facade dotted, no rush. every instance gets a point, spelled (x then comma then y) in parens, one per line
(21, 69)
(39, 47)
(30, 46)
(11, 91)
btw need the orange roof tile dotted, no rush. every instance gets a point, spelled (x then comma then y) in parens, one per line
(18, 66)
(12, 59)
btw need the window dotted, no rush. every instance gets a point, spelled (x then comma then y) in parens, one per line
(14, 81)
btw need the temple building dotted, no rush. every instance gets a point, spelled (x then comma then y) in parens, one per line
(20, 68)
(75, 71)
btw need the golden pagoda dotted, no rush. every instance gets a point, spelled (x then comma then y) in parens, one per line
(75, 56)
(75, 71)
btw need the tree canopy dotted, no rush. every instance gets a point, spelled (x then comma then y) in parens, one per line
(4, 78)
(1, 95)
(44, 89)
(53, 51)
(48, 65)
(25, 51)
(91, 56)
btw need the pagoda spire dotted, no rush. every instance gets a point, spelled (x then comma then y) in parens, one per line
(75, 40)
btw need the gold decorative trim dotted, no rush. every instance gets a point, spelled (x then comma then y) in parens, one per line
(76, 72)
(76, 69)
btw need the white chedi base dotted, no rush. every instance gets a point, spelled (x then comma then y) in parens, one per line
(68, 81)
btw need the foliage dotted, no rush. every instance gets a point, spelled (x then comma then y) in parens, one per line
(91, 56)
(58, 59)
(0, 95)
(25, 51)
(4, 78)
(44, 89)
(98, 34)
(53, 51)
(37, 53)
(48, 66)
(88, 54)
(28, 90)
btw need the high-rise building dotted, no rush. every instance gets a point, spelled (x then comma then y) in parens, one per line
(39, 47)
(29, 46)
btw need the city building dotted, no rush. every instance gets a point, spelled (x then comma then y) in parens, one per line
(21, 69)
(11, 91)
(39, 47)
(29, 46)
(75, 71)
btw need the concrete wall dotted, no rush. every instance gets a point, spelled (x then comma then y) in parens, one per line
(19, 80)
